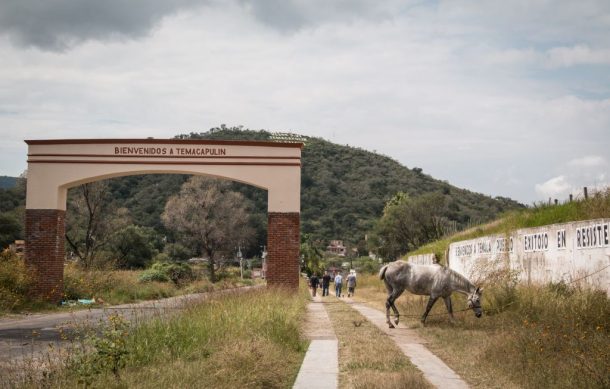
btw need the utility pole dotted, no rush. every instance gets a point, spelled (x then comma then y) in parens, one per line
(241, 261)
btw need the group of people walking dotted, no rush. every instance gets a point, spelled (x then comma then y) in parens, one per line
(315, 282)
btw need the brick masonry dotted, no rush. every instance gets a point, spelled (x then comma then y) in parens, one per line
(283, 244)
(44, 252)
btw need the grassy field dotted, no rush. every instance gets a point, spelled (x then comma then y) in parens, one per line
(106, 286)
(250, 340)
(529, 337)
(368, 359)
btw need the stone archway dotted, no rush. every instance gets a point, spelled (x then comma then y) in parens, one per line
(54, 166)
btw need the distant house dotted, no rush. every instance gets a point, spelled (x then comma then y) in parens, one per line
(18, 247)
(336, 247)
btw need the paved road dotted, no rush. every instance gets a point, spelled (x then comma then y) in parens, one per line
(31, 336)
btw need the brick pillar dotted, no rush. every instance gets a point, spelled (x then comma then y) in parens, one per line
(283, 247)
(44, 252)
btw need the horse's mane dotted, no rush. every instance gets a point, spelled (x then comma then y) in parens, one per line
(460, 281)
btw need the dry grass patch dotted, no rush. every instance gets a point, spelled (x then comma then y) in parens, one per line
(551, 336)
(367, 357)
(249, 340)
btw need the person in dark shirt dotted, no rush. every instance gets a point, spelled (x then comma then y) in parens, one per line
(314, 281)
(325, 283)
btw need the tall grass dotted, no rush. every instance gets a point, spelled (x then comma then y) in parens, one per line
(106, 286)
(529, 336)
(559, 336)
(248, 340)
(15, 281)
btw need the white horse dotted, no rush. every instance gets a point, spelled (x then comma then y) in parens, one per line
(432, 280)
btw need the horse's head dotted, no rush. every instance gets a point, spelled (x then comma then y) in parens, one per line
(474, 302)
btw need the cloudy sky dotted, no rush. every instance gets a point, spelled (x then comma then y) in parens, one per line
(507, 98)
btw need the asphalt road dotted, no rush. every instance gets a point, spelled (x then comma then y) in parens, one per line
(40, 336)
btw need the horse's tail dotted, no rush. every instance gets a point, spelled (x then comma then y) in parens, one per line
(382, 272)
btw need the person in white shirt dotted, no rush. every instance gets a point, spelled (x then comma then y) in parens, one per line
(338, 284)
(351, 283)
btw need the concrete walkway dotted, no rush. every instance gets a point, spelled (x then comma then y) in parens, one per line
(320, 367)
(412, 345)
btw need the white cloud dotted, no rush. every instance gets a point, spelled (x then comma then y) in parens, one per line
(588, 161)
(555, 188)
(589, 171)
(444, 86)
(577, 55)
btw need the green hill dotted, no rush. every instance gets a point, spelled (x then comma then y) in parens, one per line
(344, 189)
(7, 182)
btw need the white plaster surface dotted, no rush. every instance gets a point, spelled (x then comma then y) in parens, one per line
(276, 169)
(540, 255)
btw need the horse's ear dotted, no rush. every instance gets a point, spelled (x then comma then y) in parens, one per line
(479, 290)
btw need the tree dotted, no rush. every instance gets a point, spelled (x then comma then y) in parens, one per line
(311, 255)
(407, 224)
(135, 246)
(10, 230)
(210, 216)
(91, 220)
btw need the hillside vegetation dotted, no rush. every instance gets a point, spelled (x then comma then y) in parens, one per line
(7, 182)
(596, 206)
(344, 189)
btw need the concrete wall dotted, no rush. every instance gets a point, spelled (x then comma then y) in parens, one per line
(422, 259)
(559, 252)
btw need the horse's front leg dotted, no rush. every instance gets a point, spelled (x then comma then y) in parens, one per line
(449, 307)
(431, 302)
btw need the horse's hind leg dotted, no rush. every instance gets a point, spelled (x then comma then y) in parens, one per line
(392, 299)
(431, 302)
(388, 305)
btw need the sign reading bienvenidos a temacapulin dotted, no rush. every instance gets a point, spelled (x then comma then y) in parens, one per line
(170, 151)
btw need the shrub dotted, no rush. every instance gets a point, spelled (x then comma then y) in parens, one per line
(153, 275)
(80, 283)
(177, 252)
(168, 271)
(15, 281)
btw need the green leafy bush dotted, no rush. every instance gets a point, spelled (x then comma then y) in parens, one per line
(168, 271)
(153, 275)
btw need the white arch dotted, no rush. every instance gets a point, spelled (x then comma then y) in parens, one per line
(55, 166)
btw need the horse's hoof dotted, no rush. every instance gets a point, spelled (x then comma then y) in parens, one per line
(396, 321)
(390, 325)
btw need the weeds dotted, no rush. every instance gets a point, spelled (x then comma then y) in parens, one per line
(531, 336)
(368, 358)
(15, 282)
(248, 340)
